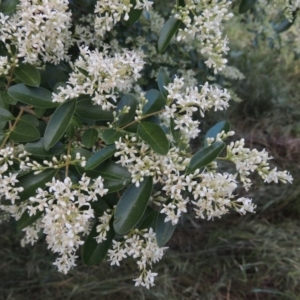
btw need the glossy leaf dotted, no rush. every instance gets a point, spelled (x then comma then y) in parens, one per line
(167, 32)
(205, 156)
(216, 129)
(3, 104)
(283, 26)
(162, 81)
(5, 115)
(28, 74)
(115, 176)
(112, 170)
(93, 252)
(246, 5)
(111, 135)
(100, 156)
(31, 183)
(27, 220)
(115, 185)
(7, 99)
(36, 96)
(156, 102)
(86, 109)
(2, 126)
(90, 137)
(39, 112)
(8, 6)
(134, 14)
(99, 206)
(132, 206)
(38, 149)
(131, 102)
(24, 132)
(175, 132)
(31, 119)
(148, 219)
(164, 230)
(58, 123)
(154, 136)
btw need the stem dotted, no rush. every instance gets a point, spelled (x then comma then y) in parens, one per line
(143, 117)
(12, 128)
(30, 111)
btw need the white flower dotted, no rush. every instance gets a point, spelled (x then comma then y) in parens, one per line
(100, 76)
(39, 30)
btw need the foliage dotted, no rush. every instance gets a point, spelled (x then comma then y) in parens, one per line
(90, 139)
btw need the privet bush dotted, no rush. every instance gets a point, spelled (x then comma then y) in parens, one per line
(99, 103)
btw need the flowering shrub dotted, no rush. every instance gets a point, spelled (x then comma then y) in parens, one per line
(94, 152)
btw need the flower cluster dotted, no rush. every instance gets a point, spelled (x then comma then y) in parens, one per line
(39, 30)
(184, 104)
(59, 191)
(206, 29)
(66, 216)
(109, 12)
(142, 246)
(8, 189)
(100, 76)
(142, 161)
(248, 161)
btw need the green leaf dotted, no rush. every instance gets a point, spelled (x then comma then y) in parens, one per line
(167, 32)
(164, 230)
(132, 127)
(58, 123)
(8, 6)
(100, 156)
(148, 219)
(24, 132)
(70, 131)
(134, 14)
(115, 185)
(115, 176)
(2, 126)
(31, 183)
(246, 5)
(27, 220)
(154, 136)
(90, 137)
(162, 81)
(132, 206)
(3, 104)
(93, 252)
(124, 118)
(99, 206)
(216, 129)
(31, 119)
(111, 135)
(86, 109)
(2, 136)
(175, 132)
(28, 74)
(284, 25)
(112, 170)
(38, 149)
(36, 96)
(205, 156)
(156, 102)
(5, 115)
(39, 112)
(7, 99)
